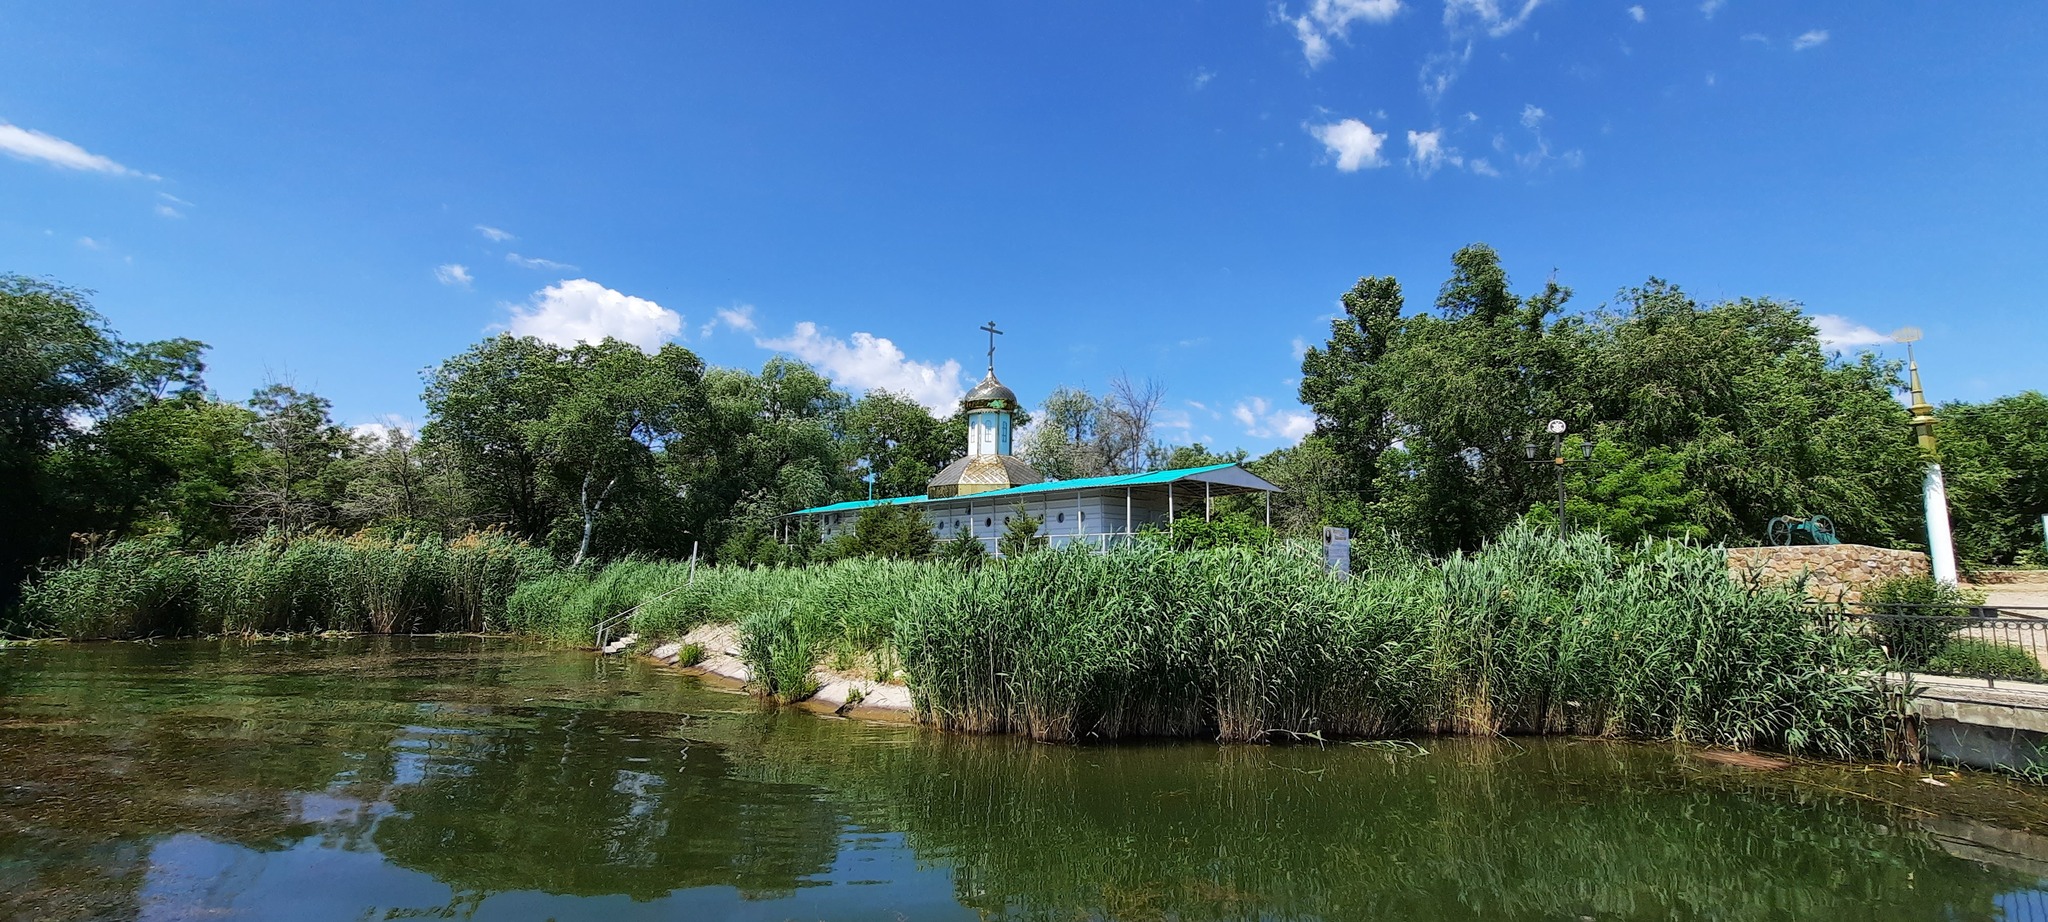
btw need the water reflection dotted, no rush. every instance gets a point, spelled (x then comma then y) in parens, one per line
(463, 778)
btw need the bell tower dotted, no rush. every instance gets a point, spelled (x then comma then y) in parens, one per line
(991, 413)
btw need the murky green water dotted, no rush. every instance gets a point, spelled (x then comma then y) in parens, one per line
(464, 778)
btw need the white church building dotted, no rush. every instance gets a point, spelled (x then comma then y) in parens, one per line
(979, 493)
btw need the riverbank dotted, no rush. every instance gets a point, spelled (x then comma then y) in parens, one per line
(714, 651)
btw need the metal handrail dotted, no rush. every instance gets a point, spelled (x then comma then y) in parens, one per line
(604, 628)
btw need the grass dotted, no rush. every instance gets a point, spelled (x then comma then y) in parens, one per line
(1964, 656)
(320, 583)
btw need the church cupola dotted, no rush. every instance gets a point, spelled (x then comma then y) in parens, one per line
(990, 408)
(991, 411)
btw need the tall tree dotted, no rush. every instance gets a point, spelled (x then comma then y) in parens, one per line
(897, 439)
(487, 412)
(295, 484)
(1995, 457)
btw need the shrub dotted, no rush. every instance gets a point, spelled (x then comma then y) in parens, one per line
(1020, 534)
(1914, 617)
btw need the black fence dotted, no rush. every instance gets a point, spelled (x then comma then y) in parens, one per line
(1991, 642)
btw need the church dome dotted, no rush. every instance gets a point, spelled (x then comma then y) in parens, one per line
(990, 394)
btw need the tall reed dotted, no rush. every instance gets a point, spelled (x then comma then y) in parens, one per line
(1529, 635)
(314, 583)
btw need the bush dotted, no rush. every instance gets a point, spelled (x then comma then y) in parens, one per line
(1965, 656)
(1232, 529)
(1020, 534)
(1915, 616)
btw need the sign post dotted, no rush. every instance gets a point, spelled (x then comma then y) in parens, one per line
(1337, 551)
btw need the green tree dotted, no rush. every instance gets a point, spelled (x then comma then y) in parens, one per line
(1345, 381)
(899, 440)
(898, 531)
(1066, 443)
(1020, 534)
(766, 445)
(295, 483)
(488, 409)
(575, 447)
(1318, 487)
(394, 484)
(1994, 457)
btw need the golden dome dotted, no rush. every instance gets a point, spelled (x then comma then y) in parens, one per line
(990, 394)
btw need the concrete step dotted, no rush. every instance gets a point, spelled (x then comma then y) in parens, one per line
(621, 644)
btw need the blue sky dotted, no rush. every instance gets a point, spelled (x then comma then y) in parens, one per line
(341, 195)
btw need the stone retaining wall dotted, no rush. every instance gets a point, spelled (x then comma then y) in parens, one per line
(1834, 571)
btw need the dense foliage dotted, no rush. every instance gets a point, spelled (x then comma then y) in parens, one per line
(1707, 419)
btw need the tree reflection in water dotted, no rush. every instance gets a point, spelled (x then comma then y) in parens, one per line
(461, 778)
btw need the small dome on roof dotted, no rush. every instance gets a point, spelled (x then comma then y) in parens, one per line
(990, 394)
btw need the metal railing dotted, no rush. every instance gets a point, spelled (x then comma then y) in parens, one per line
(606, 627)
(1990, 642)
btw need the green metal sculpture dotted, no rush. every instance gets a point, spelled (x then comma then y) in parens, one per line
(1785, 529)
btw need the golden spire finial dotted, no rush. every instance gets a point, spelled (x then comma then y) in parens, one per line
(1923, 412)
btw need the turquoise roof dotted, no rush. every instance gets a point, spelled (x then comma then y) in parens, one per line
(1079, 483)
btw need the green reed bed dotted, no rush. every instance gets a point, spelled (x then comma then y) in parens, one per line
(311, 583)
(1530, 635)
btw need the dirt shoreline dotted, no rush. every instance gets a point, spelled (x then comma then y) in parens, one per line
(838, 693)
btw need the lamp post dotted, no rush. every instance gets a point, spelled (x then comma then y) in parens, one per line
(1559, 461)
(1941, 544)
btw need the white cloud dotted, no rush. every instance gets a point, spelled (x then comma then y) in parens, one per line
(1637, 13)
(1479, 166)
(582, 311)
(737, 317)
(1809, 38)
(92, 244)
(1757, 37)
(1839, 332)
(1487, 15)
(1532, 116)
(1300, 348)
(169, 204)
(1427, 154)
(1352, 142)
(1261, 420)
(1328, 19)
(868, 362)
(1709, 7)
(1440, 70)
(1201, 77)
(535, 262)
(380, 430)
(493, 234)
(453, 274)
(38, 147)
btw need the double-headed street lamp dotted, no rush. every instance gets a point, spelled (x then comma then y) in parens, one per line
(1559, 461)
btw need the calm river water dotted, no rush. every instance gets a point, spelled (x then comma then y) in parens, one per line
(390, 778)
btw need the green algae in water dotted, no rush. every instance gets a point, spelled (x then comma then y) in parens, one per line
(374, 778)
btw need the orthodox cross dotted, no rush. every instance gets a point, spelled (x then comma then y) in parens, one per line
(990, 329)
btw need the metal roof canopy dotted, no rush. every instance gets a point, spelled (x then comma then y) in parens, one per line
(1221, 480)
